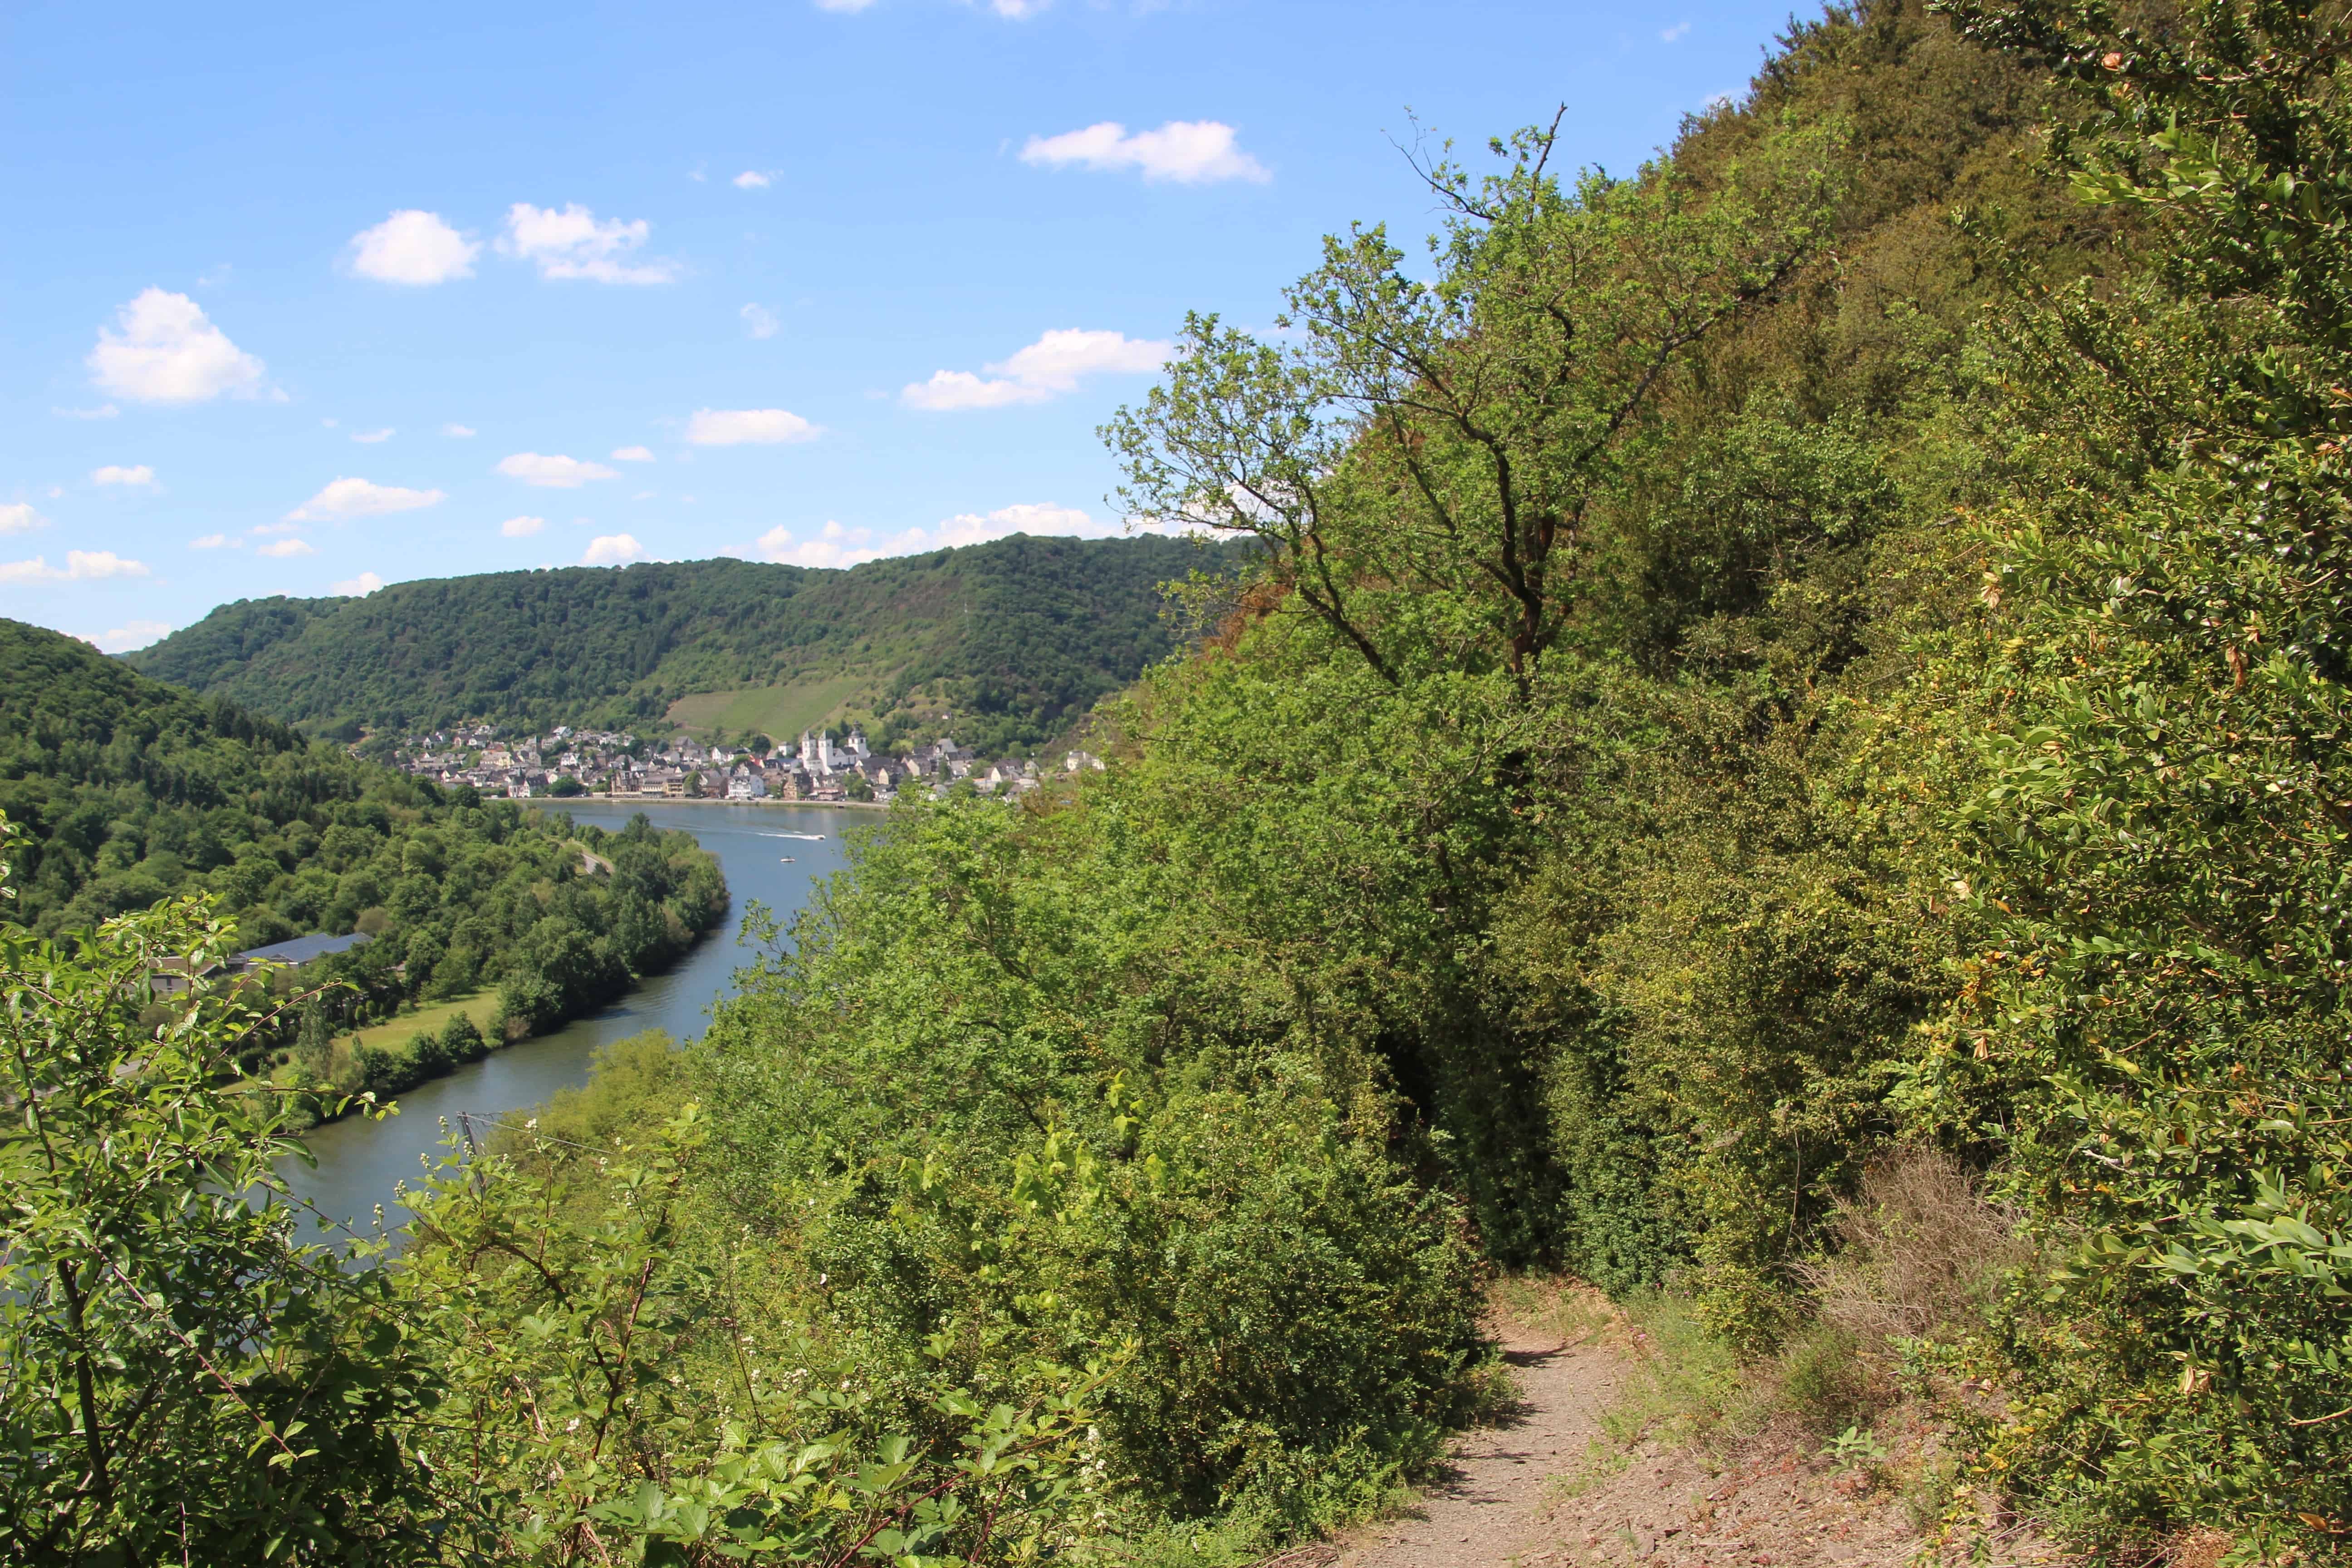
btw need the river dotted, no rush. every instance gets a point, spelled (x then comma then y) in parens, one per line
(361, 1162)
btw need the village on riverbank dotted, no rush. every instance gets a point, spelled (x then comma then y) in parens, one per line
(616, 764)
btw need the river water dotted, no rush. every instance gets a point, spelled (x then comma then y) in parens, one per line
(362, 1162)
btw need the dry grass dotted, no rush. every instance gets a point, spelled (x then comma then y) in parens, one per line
(1922, 1255)
(1549, 1307)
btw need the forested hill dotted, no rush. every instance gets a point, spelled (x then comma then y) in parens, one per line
(123, 790)
(1015, 637)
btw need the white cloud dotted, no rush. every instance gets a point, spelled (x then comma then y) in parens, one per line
(574, 244)
(215, 541)
(844, 8)
(633, 454)
(81, 566)
(371, 437)
(746, 426)
(457, 430)
(1018, 9)
(957, 389)
(284, 547)
(552, 472)
(86, 565)
(1189, 152)
(130, 635)
(752, 180)
(835, 545)
(760, 321)
(1045, 369)
(103, 411)
(1675, 33)
(359, 498)
(168, 352)
(16, 516)
(358, 587)
(412, 247)
(978, 528)
(116, 474)
(521, 527)
(613, 550)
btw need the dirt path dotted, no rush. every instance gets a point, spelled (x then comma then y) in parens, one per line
(1489, 1505)
(1545, 1488)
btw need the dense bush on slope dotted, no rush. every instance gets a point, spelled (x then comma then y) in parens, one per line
(1615, 787)
(126, 791)
(2152, 1038)
(1517, 833)
(1216, 1187)
(1018, 637)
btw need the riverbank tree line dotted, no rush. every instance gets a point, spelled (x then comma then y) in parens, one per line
(125, 792)
(1820, 657)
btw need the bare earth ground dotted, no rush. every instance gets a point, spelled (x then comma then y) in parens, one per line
(1545, 1488)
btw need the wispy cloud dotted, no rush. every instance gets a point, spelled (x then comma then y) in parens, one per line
(573, 243)
(358, 587)
(1187, 151)
(459, 431)
(130, 635)
(760, 321)
(521, 527)
(747, 427)
(1045, 369)
(1675, 34)
(551, 471)
(81, 566)
(837, 545)
(116, 474)
(345, 498)
(18, 517)
(215, 541)
(752, 180)
(613, 550)
(633, 454)
(372, 437)
(281, 548)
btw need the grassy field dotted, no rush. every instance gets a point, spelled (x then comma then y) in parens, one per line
(782, 711)
(426, 1020)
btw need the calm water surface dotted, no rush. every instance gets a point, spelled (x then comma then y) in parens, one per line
(361, 1162)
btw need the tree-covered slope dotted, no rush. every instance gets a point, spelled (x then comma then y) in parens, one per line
(1016, 635)
(123, 790)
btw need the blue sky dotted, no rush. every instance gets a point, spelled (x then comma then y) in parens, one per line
(302, 300)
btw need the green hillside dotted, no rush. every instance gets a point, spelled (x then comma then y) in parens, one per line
(1013, 636)
(122, 791)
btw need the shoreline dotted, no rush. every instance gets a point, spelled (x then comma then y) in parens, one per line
(351, 1099)
(563, 801)
(449, 1066)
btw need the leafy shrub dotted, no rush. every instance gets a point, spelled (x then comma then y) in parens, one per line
(462, 1040)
